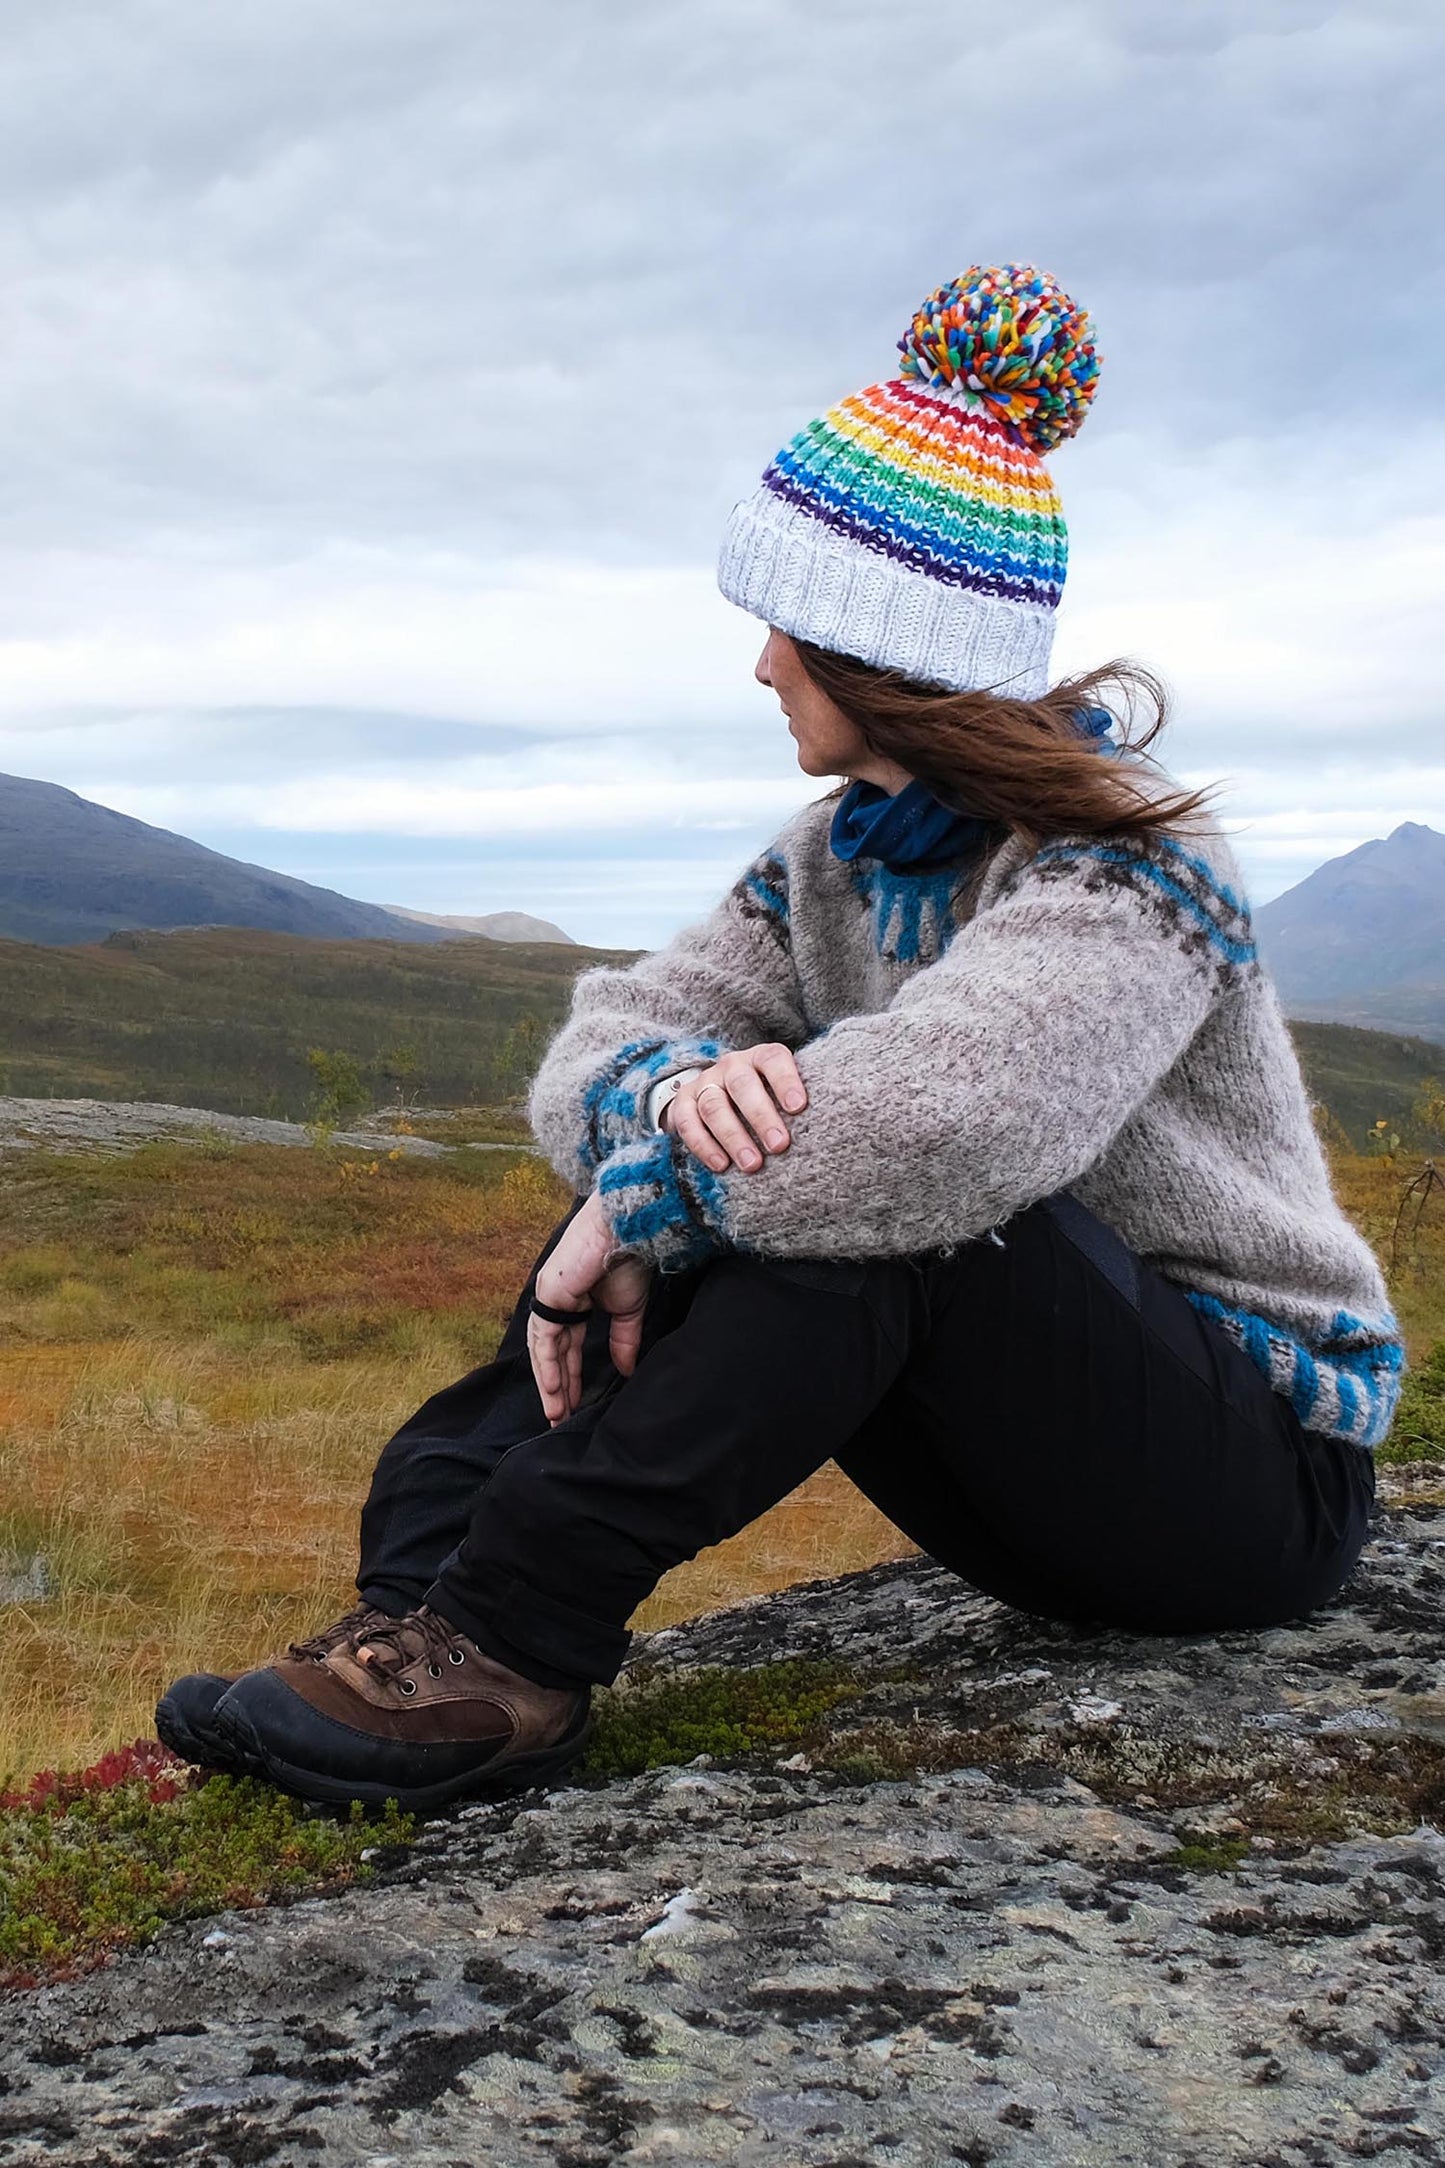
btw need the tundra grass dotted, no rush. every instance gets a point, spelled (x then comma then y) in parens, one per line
(202, 1351)
(1402, 1216)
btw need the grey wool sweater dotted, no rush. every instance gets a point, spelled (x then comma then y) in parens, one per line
(1089, 1015)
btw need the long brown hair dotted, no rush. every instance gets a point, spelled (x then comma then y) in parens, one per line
(1024, 763)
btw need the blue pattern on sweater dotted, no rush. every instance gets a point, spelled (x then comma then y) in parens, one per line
(667, 1199)
(590, 1150)
(1356, 1364)
(908, 909)
(773, 900)
(1206, 874)
(610, 1103)
(1199, 908)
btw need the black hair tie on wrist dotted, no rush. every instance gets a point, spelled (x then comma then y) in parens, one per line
(555, 1316)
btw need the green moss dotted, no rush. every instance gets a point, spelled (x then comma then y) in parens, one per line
(88, 1863)
(661, 1718)
(862, 1767)
(1205, 1854)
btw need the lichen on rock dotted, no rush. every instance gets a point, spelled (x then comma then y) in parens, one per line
(940, 1883)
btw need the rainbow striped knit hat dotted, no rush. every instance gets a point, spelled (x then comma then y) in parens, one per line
(914, 524)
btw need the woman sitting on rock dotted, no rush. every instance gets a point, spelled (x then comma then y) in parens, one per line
(963, 1144)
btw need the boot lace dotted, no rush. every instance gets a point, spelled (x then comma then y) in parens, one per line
(398, 1643)
(334, 1636)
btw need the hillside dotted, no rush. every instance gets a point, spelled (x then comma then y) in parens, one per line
(74, 871)
(223, 1017)
(1362, 939)
(496, 925)
(1366, 1076)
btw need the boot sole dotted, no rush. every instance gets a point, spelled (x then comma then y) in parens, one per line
(516, 1776)
(202, 1750)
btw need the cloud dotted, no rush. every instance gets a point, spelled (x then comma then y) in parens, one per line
(376, 380)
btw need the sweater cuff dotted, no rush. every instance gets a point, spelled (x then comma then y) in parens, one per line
(614, 1104)
(663, 1204)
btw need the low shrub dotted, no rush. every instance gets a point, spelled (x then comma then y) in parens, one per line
(95, 1858)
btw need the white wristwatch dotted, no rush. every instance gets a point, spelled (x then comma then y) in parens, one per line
(661, 1094)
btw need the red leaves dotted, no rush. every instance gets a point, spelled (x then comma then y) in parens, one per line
(144, 1761)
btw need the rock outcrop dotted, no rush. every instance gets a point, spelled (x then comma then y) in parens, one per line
(115, 1125)
(1034, 1895)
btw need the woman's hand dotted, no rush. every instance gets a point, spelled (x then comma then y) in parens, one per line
(585, 1268)
(725, 1113)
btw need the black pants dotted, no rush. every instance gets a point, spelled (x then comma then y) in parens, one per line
(1039, 1410)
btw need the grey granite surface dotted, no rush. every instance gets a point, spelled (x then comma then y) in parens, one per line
(1170, 1903)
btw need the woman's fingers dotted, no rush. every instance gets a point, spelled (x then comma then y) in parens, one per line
(722, 1112)
(625, 1341)
(542, 1353)
(758, 1108)
(556, 1357)
(623, 1292)
(685, 1122)
(572, 1357)
(778, 1066)
(583, 1269)
(714, 1104)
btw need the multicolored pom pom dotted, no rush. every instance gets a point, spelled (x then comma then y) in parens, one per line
(1010, 335)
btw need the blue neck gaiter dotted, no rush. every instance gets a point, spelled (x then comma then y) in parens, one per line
(911, 832)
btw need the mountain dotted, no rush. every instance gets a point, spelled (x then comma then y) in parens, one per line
(1362, 939)
(493, 925)
(73, 871)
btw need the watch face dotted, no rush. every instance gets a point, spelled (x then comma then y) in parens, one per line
(662, 1096)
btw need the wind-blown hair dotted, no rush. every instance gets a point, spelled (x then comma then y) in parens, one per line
(1024, 763)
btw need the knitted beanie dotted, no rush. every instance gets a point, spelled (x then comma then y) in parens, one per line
(914, 525)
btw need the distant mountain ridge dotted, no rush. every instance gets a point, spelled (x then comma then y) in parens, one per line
(72, 871)
(492, 925)
(1361, 940)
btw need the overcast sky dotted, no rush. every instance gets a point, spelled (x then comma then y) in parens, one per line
(375, 381)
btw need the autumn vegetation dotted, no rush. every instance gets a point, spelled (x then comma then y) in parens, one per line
(202, 1349)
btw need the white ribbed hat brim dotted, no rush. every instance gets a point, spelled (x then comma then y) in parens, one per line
(810, 581)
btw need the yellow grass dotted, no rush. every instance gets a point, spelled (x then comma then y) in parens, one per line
(201, 1355)
(197, 1513)
(195, 1495)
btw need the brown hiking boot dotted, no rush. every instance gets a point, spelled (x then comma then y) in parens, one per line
(412, 1711)
(185, 1711)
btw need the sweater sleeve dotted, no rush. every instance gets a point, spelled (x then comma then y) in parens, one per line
(727, 982)
(994, 1077)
